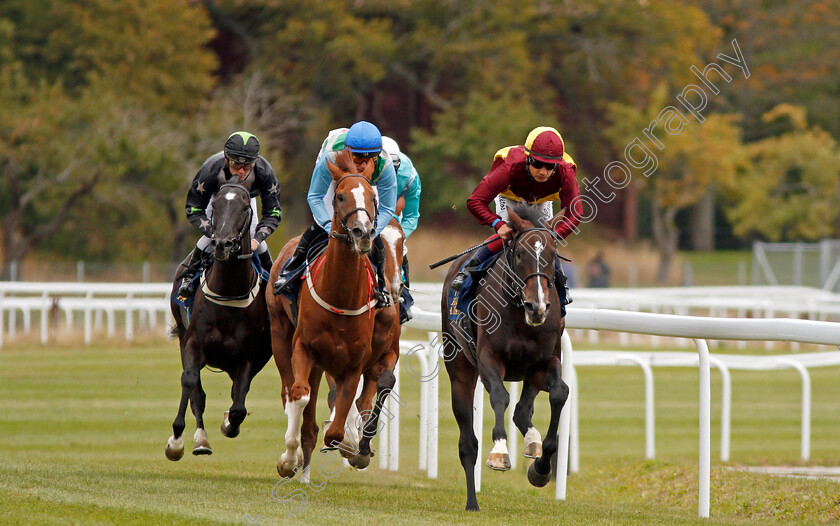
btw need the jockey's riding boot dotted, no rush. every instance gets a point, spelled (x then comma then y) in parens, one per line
(461, 276)
(560, 281)
(298, 258)
(405, 271)
(383, 296)
(192, 264)
(265, 260)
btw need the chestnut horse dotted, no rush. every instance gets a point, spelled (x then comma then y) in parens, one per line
(379, 378)
(228, 329)
(335, 331)
(518, 325)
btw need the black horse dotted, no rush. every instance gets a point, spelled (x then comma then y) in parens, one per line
(228, 328)
(514, 335)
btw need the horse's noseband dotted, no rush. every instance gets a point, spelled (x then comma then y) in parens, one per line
(342, 221)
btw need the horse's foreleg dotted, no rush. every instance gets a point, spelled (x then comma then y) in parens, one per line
(201, 446)
(345, 397)
(296, 399)
(384, 386)
(189, 380)
(491, 376)
(238, 391)
(309, 428)
(463, 378)
(558, 392)
(522, 414)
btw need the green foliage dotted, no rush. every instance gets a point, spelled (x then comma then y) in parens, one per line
(791, 190)
(459, 150)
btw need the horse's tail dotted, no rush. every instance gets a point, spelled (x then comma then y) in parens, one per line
(175, 332)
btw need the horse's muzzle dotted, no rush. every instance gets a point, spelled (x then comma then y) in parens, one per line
(222, 249)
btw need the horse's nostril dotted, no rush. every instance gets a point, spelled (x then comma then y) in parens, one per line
(547, 306)
(372, 233)
(358, 233)
(529, 306)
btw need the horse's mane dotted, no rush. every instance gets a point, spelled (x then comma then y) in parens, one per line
(528, 213)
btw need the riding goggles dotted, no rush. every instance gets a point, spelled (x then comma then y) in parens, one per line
(539, 165)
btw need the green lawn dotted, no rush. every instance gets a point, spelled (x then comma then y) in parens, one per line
(82, 433)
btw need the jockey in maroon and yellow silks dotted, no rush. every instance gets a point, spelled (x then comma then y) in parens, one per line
(533, 175)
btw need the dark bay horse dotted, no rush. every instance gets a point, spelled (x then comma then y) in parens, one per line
(518, 325)
(228, 328)
(335, 331)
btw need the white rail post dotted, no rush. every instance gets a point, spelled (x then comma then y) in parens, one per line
(434, 370)
(478, 427)
(705, 474)
(563, 431)
(513, 388)
(394, 424)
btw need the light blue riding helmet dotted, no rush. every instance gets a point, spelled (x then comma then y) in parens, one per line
(364, 138)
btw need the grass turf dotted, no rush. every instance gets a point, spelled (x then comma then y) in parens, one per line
(84, 428)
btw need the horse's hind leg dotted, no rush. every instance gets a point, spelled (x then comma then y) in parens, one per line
(189, 380)
(491, 377)
(238, 391)
(558, 392)
(463, 377)
(522, 414)
(201, 446)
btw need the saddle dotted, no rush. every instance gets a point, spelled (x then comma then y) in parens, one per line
(460, 301)
(186, 302)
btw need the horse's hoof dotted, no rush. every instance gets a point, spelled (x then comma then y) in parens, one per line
(499, 461)
(532, 450)
(201, 446)
(175, 448)
(285, 469)
(359, 461)
(536, 479)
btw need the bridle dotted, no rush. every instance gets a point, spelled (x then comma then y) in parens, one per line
(241, 300)
(342, 221)
(510, 250)
(237, 240)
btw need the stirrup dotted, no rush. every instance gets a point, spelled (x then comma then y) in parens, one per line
(458, 281)
(383, 299)
(187, 287)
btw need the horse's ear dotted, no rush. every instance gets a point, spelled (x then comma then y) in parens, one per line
(518, 222)
(337, 169)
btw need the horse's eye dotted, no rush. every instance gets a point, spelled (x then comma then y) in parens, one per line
(340, 197)
(519, 256)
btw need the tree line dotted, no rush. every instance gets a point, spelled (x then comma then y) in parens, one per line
(107, 109)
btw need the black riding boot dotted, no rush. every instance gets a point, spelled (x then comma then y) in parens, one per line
(192, 264)
(298, 258)
(560, 282)
(461, 276)
(383, 296)
(265, 260)
(405, 271)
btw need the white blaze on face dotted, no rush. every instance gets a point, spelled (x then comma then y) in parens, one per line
(230, 196)
(359, 195)
(538, 248)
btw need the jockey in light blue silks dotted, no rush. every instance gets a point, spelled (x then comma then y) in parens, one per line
(364, 142)
(408, 201)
